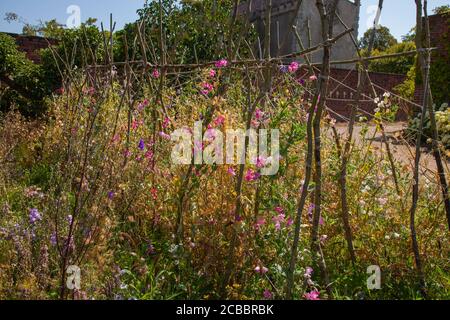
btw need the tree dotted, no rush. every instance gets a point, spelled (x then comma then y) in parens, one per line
(442, 9)
(410, 36)
(383, 39)
(399, 65)
(193, 30)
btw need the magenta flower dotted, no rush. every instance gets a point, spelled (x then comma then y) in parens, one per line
(267, 294)
(289, 222)
(155, 73)
(251, 175)
(231, 172)
(279, 209)
(206, 88)
(313, 295)
(259, 114)
(221, 63)
(219, 121)
(293, 67)
(261, 162)
(166, 122)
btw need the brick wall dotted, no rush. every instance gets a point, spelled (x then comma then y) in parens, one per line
(31, 45)
(439, 35)
(341, 95)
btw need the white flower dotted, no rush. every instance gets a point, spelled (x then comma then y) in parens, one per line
(396, 235)
(387, 94)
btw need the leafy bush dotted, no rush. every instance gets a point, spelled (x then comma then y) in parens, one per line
(442, 117)
(399, 65)
(25, 80)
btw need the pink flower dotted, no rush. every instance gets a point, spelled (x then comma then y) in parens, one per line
(149, 155)
(267, 294)
(206, 88)
(251, 175)
(289, 222)
(210, 134)
(166, 122)
(255, 123)
(278, 220)
(308, 272)
(261, 270)
(293, 67)
(212, 73)
(155, 73)
(164, 135)
(279, 209)
(313, 78)
(259, 114)
(313, 295)
(136, 124)
(259, 223)
(221, 63)
(261, 162)
(219, 121)
(231, 172)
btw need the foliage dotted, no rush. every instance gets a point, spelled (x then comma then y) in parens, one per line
(25, 75)
(442, 9)
(440, 67)
(383, 39)
(399, 65)
(186, 40)
(444, 133)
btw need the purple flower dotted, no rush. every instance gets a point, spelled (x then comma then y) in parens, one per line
(111, 195)
(308, 272)
(284, 69)
(141, 145)
(150, 249)
(53, 239)
(34, 216)
(69, 219)
(267, 294)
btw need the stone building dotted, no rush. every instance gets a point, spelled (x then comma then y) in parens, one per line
(307, 21)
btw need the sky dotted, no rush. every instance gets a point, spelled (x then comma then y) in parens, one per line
(397, 15)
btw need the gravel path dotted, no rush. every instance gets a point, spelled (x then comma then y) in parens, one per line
(401, 151)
